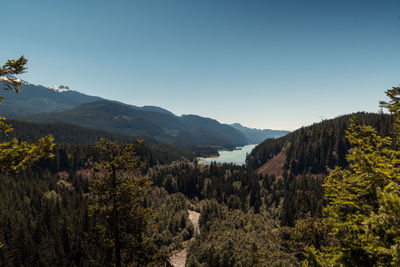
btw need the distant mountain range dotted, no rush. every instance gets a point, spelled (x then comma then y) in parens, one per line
(116, 117)
(256, 136)
(38, 98)
(59, 104)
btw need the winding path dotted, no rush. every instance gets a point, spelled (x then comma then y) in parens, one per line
(179, 258)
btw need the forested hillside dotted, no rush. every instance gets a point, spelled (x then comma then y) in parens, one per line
(187, 130)
(226, 195)
(315, 149)
(49, 223)
(38, 98)
(246, 218)
(59, 104)
(70, 134)
(331, 200)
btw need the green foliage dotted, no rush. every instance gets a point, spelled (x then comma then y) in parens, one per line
(364, 200)
(317, 148)
(41, 222)
(49, 216)
(286, 198)
(227, 183)
(233, 195)
(14, 154)
(306, 233)
(44, 220)
(152, 152)
(236, 238)
(171, 219)
(20, 155)
(187, 130)
(118, 194)
(10, 68)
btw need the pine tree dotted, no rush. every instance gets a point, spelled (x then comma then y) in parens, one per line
(118, 194)
(363, 208)
(16, 155)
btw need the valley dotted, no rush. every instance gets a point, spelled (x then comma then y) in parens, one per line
(251, 205)
(44, 104)
(200, 133)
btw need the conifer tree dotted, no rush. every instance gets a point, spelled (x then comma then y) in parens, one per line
(363, 208)
(15, 154)
(118, 191)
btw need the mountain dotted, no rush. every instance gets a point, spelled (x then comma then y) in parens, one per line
(187, 130)
(256, 136)
(313, 149)
(33, 99)
(39, 98)
(154, 108)
(67, 133)
(70, 134)
(61, 104)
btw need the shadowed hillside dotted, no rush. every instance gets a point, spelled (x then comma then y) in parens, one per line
(315, 148)
(162, 126)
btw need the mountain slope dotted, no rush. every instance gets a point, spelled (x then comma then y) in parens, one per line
(67, 133)
(316, 148)
(60, 104)
(33, 99)
(38, 98)
(162, 126)
(64, 133)
(256, 136)
(212, 130)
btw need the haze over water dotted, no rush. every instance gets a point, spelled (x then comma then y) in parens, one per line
(235, 156)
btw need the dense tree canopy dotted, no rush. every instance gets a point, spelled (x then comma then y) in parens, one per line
(118, 191)
(317, 148)
(363, 208)
(93, 205)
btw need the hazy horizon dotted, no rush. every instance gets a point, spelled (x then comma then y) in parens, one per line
(264, 64)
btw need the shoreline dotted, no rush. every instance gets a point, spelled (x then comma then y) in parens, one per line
(228, 156)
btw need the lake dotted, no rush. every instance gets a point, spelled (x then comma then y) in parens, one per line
(237, 156)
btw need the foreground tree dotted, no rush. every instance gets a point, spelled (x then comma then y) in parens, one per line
(118, 191)
(14, 154)
(364, 200)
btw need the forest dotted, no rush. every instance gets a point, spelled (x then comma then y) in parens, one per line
(319, 147)
(45, 217)
(84, 197)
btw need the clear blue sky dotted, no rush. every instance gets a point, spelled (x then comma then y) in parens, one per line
(265, 64)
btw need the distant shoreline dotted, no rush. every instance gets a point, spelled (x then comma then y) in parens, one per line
(228, 156)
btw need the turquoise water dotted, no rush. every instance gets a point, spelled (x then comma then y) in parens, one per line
(236, 156)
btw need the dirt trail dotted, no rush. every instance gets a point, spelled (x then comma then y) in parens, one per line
(194, 218)
(179, 258)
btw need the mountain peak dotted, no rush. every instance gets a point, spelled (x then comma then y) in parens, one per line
(7, 78)
(60, 88)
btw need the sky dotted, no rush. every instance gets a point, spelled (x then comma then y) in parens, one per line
(265, 64)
